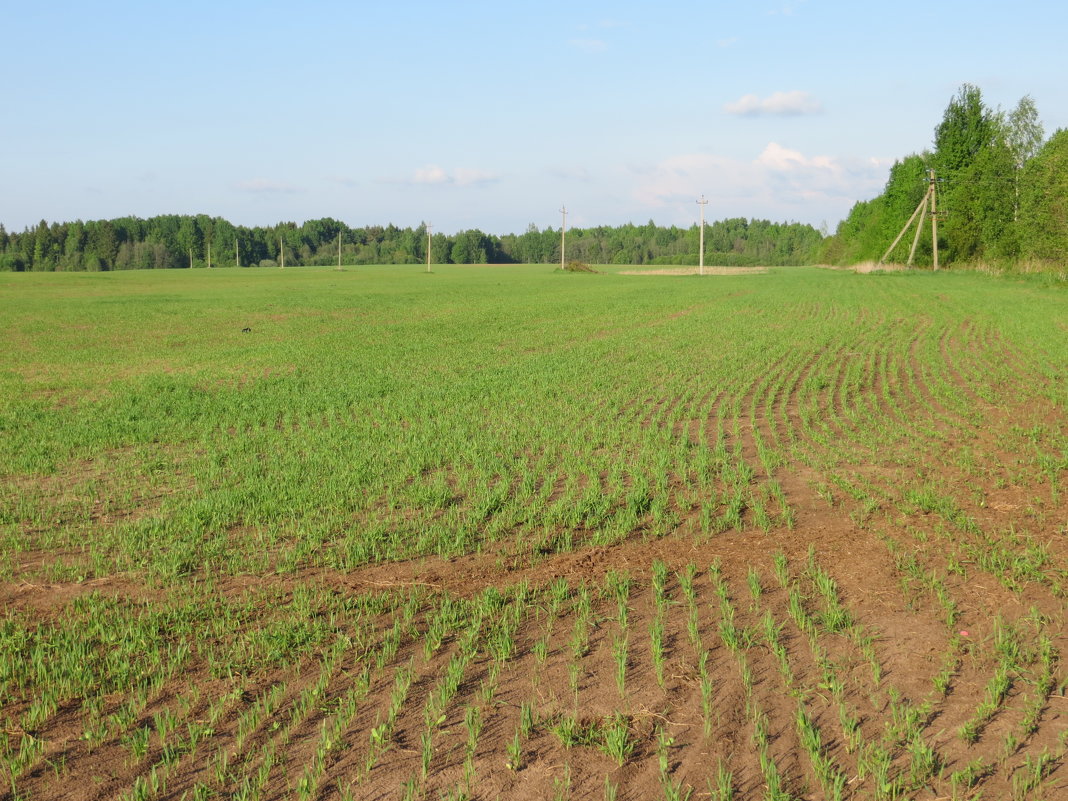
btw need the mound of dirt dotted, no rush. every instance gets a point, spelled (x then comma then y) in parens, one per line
(579, 267)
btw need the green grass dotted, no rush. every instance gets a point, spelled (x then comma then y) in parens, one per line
(383, 414)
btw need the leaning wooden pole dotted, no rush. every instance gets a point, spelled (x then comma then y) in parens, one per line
(919, 228)
(890, 249)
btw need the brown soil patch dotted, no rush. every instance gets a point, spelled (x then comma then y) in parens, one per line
(908, 619)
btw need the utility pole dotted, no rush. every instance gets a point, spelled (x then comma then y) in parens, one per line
(339, 251)
(282, 253)
(237, 255)
(922, 211)
(701, 255)
(928, 207)
(563, 232)
(190, 258)
(209, 255)
(934, 218)
(429, 242)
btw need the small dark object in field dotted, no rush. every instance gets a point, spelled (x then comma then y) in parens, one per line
(579, 267)
(246, 330)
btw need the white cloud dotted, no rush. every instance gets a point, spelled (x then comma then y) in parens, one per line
(264, 186)
(431, 175)
(777, 157)
(689, 174)
(728, 42)
(778, 183)
(782, 104)
(460, 176)
(467, 177)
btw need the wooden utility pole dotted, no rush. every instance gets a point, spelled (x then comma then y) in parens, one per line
(190, 258)
(209, 255)
(563, 233)
(237, 255)
(919, 228)
(934, 217)
(928, 207)
(701, 253)
(282, 253)
(429, 242)
(919, 211)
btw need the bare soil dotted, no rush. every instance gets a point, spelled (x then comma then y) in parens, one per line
(888, 554)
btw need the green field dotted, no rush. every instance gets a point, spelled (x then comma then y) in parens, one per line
(493, 531)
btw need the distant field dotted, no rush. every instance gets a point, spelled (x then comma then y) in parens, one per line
(504, 532)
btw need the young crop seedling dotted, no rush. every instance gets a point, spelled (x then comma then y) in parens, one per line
(515, 753)
(723, 789)
(617, 742)
(656, 647)
(782, 570)
(322, 552)
(619, 654)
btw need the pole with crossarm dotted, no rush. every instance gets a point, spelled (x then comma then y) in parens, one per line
(701, 254)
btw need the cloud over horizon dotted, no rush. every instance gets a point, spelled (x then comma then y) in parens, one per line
(778, 104)
(459, 176)
(776, 182)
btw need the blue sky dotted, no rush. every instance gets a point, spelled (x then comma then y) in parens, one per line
(491, 115)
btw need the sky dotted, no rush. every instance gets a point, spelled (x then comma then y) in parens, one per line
(494, 115)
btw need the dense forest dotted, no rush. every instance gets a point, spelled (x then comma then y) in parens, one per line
(173, 241)
(1001, 189)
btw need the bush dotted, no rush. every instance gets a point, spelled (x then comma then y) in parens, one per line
(10, 263)
(578, 267)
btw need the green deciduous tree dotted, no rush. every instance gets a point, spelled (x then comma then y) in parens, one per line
(166, 241)
(974, 162)
(1023, 131)
(190, 239)
(966, 128)
(1024, 135)
(982, 207)
(1043, 219)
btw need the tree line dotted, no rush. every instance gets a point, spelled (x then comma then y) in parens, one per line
(184, 241)
(1001, 188)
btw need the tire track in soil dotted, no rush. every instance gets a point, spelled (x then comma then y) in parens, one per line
(749, 449)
